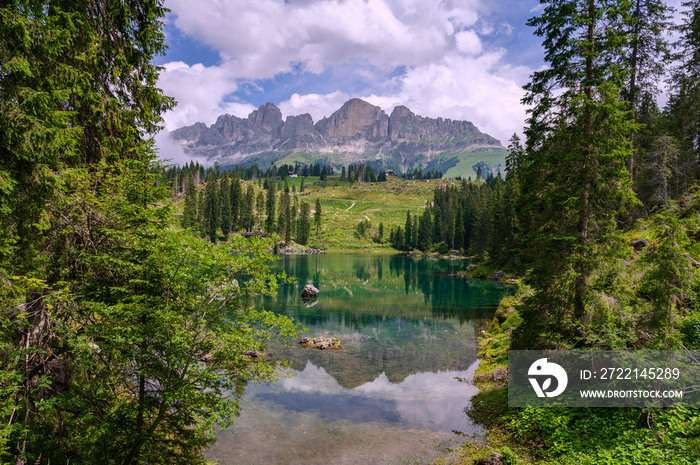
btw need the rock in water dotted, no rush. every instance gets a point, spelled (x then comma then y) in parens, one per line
(309, 292)
(321, 343)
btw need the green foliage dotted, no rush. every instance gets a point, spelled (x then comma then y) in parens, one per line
(123, 339)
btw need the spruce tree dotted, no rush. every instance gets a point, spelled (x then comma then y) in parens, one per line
(270, 207)
(304, 224)
(408, 227)
(236, 194)
(212, 208)
(317, 217)
(225, 206)
(574, 176)
(189, 213)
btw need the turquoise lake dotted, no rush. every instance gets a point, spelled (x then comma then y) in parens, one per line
(390, 396)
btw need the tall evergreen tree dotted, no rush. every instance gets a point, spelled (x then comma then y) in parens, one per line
(684, 102)
(270, 204)
(189, 213)
(212, 208)
(574, 177)
(408, 228)
(225, 198)
(304, 225)
(317, 217)
(236, 196)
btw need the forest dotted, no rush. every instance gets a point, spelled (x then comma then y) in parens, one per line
(126, 324)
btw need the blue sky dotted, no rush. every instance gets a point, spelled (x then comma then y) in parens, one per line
(459, 59)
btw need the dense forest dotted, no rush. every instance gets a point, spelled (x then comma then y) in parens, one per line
(126, 326)
(124, 337)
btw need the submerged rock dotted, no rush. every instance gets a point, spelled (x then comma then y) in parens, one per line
(321, 343)
(309, 292)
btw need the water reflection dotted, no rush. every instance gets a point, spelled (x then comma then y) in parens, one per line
(408, 329)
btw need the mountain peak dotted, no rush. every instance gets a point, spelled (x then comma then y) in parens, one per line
(357, 132)
(356, 118)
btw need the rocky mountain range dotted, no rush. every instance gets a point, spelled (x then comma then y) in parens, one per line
(358, 132)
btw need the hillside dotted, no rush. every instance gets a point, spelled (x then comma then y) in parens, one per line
(345, 205)
(357, 132)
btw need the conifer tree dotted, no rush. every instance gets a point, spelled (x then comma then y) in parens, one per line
(574, 177)
(189, 213)
(317, 217)
(236, 195)
(270, 207)
(304, 224)
(212, 208)
(408, 226)
(225, 199)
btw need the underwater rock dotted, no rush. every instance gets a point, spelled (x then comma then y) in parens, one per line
(321, 343)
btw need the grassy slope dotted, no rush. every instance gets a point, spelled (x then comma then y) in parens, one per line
(344, 206)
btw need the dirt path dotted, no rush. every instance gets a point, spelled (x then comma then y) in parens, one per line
(353, 204)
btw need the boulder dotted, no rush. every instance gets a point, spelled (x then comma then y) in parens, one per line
(494, 458)
(691, 259)
(499, 275)
(321, 343)
(640, 243)
(309, 292)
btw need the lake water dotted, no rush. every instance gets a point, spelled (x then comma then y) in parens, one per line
(390, 395)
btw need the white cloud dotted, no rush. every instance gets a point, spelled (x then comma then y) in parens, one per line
(200, 92)
(476, 89)
(468, 42)
(267, 37)
(316, 105)
(449, 72)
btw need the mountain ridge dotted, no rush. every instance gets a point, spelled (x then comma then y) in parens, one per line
(357, 132)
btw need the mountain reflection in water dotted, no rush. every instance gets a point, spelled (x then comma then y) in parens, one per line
(408, 330)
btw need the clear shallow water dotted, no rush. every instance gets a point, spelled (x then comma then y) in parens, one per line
(390, 396)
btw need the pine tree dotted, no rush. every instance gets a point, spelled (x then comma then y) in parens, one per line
(235, 195)
(574, 176)
(317, 217)
(270, 208)
(189, 213)
(408, 227)
(424, 231)
(225, 207)
(684, 102)
(304, 224)
(212, 208)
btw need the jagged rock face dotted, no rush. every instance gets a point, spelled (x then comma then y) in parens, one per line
(300, 125)
(358, 131)
(267, 118)
(404, 124)
(189, 133)
(355, 119)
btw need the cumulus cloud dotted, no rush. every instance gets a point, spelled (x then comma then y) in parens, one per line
(200, 92)
(429, 56)
(468, 42)
(316, 105)
(267, 37)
